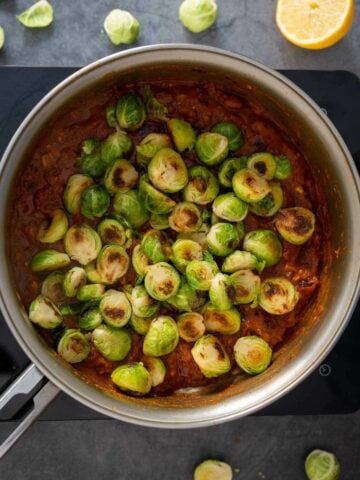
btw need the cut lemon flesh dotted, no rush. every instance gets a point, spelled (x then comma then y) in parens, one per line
(314, 24)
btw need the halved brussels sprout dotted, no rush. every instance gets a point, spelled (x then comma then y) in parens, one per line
(200, 273)
(264, 164)
(162, 281)
(186, 298)
(90, 319)
(283, 168)
(39, 15)
(75, 186)
(156, 368)
(112, 263)
(198, 237)
(182, 134)
(159, 222)
(115, 146)
(111, 231)
(162, 337)
(295, 225)
(2, 37)
(210, 356)
(94, 202)
(132, 378)
(120, 177)
(156, 246)
(240, 260)
(221, 292)
(265, 245)
(154, 200)
(130, 111)
(247, 286)
(52, 287)
(185, 217)
(203, 186)
(212, 148)
(150, 145)
(142, 304)
(222, 239)
(115, 308)
(270, 204)
(140, 261)
(73, 280)
(90, 292)
(322, 465)
(228, 169)
(82, 244)
(56, 230)
(73, 346)
(184, 251)
(252, 354)
(92, 274)
(140, 324)
(167, 171)
(197, 15)
(249, 186)
(121, 27)
(225, 322)
(44, 313)
(213, 470)
(191, 326)
(229, 207)
(130, 207)
(110, 116)
(113, 343)
(46, 260)
(232, 132)
(154, 108)
(278, 296)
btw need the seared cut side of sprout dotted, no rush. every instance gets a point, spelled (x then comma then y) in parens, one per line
(222, 239)
(115, 308)
(142, 304)
(140, 261)
(322, 465)
(213, 470)
(246, 287)
(229, 207)
(44, 313)
(162, 281)
(212, 148)
(39, 15)
(184, 251)
(73, 280)
(75, 186)
(200, 273)
(252, 354)
(278, 296)
(120, 177)
(82, 244)
(130, 112)
(47, 260)
(90, 319)
(265, 245)
(154, 200)
(167, 171)
(112, 263)
(90, 292)
(56, 230)
(73, 346)
(182, 134)
(241, 260)
(221, 292)
(94, 202)
(156, 368)
(113, 343)
(92, 274)
(116, 146)
(249, 186)
(140, 324)
(52, 287)
(203, 186)
(159, 222)
(156, 246)
(264, 164)
(129, 206)
(132, 378)
(161, 338)
(186, 298)
(228, 169)
(185, 217)
(268, 206)
(210, 356)
(232, 132)
(191, 326)
(296, 225)
(197, 15)
(150, 145)
(111, 231)
(226, 322)
(283, 168)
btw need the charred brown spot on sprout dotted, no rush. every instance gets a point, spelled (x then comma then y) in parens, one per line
(191, 326)
(162, 281)
(264, 164)
(115, 308)
(113, 343)
(210, 356)
(82, 243)
(120, 177)
(52, 287)
(112, 263)
(226, 322)
(202, 187)
(167, 171)
(249, 186)
(252, 354)
(111, 231)
(43, 312)
(76, 184)
(296, 225)
(185, 217)
(278, 296)
(156, 246)
(246, 287)
(73, 346)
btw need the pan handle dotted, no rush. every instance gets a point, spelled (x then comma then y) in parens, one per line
(26, 383)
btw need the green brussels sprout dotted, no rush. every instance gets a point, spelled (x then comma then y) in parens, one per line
(184, 251)
(92, 274)
(229, 207)
(210, 356)
(76, 184)
(130, 111)
(240, 260)
(322, 465)
(140, 324)
(198, 237)
(203, 187)
(111, 231)
(56, 230)
(73, 346)
(113, 343)
(200, 273)
(232, 132)
(154, 200)
(252, 354)
(150, 145)
(112, 263)
(295, 225)
(213, 470)
(117, 145)
(82, 244)
(161, 338)
(154, 108)
(52, 287)
(39, 15)
(156, 246)
(89, 145)
(162, 281)
(246, 286)
(225, 322)
(186, 298)
(115, 308)
(222, 239)
(264, 164)
(182, 134)
(159, 222)
(90, 319)
(212, 148)
(2, 37)
(92, 164)
(140, 261)
(70, 309)
(197, 15)
(120, 177)
(46, 260)
(94, 202)
(269, 205)
(185, 217)
(221, 292)
(90, 292)
(167, 171)
(249, 186)
(130, 207)
(110, 116)
(142, 304)
(265, 245)
(132, 378)
(73, 280)
(121, 27)
(156, 368)
(283, 168)
(278, 296)
(44, 313)
(191, 326)
(228, 169)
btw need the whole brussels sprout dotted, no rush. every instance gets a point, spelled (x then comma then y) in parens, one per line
(203, 186)
(111, 231)
(232, 132)
(115, 308)
(222, 239)
(161, 338)
(296, 225)
(52, 287)
(200, 273)
(47, 260)
(265, 245)
(252, 354)
(75, 186)
(246, 286)
(130, 112)
(182, 134)
(156, 368)
(130, 207)
(150, 145)
(184, 251)
(213, 470)
(162, 281)
(82, 244)
(112, 263)
(278, 296)
(191, 326)
(269, 205)
(186, 298)
(56, 230)
(113, 343)
(198, 15)
(249, 186)
(44, 313)
(322, 464)
(121, 27)
(283, 168)
(73, 346)
(264, 164)
(132, 378)
(154, 200)
(90, 319)
(73, 280)
(185, 217)
(221, 292)
(210, 356)
(167, 171)
(240, 260)
(120, 177)
(225, 322)
(228, 169)
(142, 304)
(117, 145)
(229, 207)
(156, 246)
(212, 148)
(94, 201)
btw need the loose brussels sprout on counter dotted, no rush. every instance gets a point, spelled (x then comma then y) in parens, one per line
(116, 146)
(73, 346)
(228, 169)
(90, 319)
(278, 296)
(232, 132)
(156, 246)
(198, 15)
(295, 225)
(269, 205)
(229, 207)
(322, 465)
(140, 261)
(75, 186)
(246, 287)
(73, 280)
(264, 164)
(210, 356)
(222, 239)
(112, 263)
(213, 470)
(167, 171)
(154, 200)
(113, 343)
(159, 222)
(115, 308)
(130, 112)
(212, 148)
(185, 217)
(252, 354)
(43, 312)
(82, 244)
(2, 37)
(111, 231)
(221, 292)
(142, 304)
(226, 322)
(283, 168)
(203, 186)
(47, 260)
(162, 281)
(94, 202)
(150, 145)
(121, 27)
(161, 338)
(185, 251)
(90, 292)
(200, 273)
(265, 245)
(52, 287)
(186, 298)
(129, 206)
(191, 326)
(154, 108)
(140, 325)
(132, 378)
(56, 230)
(241, 260)
(39, 15)
(249, 186)
(120, 177)
(182, 134)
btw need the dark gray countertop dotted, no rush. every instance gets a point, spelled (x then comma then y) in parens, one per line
(262, 448)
